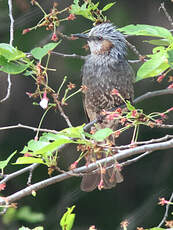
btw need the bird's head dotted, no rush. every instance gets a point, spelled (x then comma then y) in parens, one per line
(105, 39)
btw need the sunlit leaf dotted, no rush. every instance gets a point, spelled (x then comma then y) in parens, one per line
(130, 107)
(12, 67)
(4, 163)
(67, 220)
(158, 42)
(10, 53)
(29, 160)
(108, 6)
(39, 52)
(147, 30)
(102, 134)
(153, 67)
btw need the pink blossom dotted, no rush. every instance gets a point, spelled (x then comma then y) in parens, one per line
(44, 101)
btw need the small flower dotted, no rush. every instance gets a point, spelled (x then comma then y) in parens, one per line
(113, 115)
(163, 116)
(29, 94)
(123, 120)
(74, 165)
(36, 138)
(117, 133)
(71, 17)
(84, 88)
(2, 186)
(71, 86)
(124, 224)
(27, 155)
(170, 86)
(115, 92)
(162, 201)
(44, 101)
(160, 78)
(92, 227)
(100, 185)
(25, 31)
(134, 113)
(170, 109)
(159, 122)
(169, 223)
(54, 37)
(118, 110)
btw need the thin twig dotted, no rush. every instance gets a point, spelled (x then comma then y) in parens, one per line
(10, 6)
(149, 95)
(69, 55)
(166, 211)
(162, 6)
(18, 173)
(34, 166)
(27, 127)
(145, 96)
(64, 115)
(133, 48)
(128, 162)
(62, 112)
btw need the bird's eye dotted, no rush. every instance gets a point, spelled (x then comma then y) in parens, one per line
(100, 38)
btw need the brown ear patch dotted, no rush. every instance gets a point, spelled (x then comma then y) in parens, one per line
(106, 46)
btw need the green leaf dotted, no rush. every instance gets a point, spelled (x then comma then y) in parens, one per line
(10, 53)
(28, 160)
(68, 218)
(157, 228)
(108, 6)
(170, 57)
(53, 146)
(130, 107)
(102, 134)
(26, 214)
(24, 228)
(4, 163)
(82, 10)
(34, 146)
(147, 30)
(158, 42)
(74, 132)
(12, 67)
(153, 67)
(39, 52)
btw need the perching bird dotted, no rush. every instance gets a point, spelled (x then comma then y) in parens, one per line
(105, 69)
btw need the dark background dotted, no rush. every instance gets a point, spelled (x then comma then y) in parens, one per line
(145, 181)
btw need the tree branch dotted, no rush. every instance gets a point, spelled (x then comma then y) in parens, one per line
(69, 55)
(27, 127)
(162, 6)
(10, 6)
(166, 211)
(84, 169)
(145, 96)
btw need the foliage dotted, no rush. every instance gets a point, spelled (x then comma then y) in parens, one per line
(44, 148)
(68, 218)
(160, 61)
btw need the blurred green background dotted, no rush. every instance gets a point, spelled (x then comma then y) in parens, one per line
(145, 181)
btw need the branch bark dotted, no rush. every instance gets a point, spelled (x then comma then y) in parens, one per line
(84, 169)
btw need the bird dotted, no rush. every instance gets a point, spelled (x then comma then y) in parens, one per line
(105, 69)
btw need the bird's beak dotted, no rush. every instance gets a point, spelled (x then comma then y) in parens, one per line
(84, 36)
